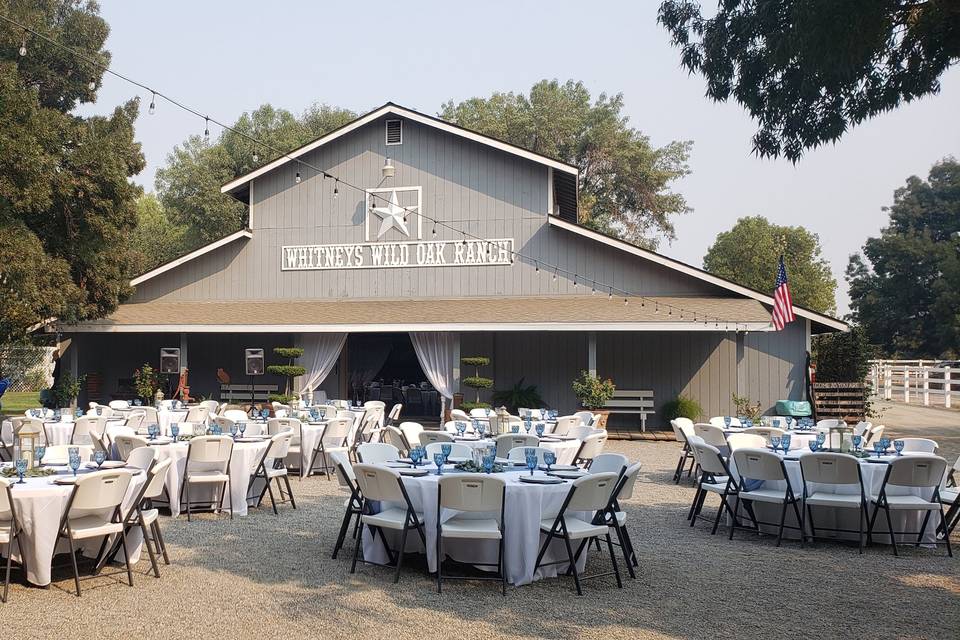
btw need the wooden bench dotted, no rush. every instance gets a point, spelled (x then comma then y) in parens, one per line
(626, 401)
(243, 392)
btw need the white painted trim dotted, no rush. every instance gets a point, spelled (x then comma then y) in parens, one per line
(243, 233)
(686, 269)
(386, 132)
(550, 194)
(403, 113)
(405, 327)
(250, 207)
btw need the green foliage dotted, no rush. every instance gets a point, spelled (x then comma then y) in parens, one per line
(156, 239)
(908, 297)
(189, 184)
(475, 361)
(282, 398)
(66, 199)
(477, 382)
(65, 392)
(286, 370)
(591, 391)
(682, 407)
(519, 396)
(809, 71)
(842, 357)
(624, 180)
(743, 407)
(288, 352)
(467, 405)
(747, 255)
(146, 381)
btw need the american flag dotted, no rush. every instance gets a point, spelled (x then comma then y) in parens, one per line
(782, 304)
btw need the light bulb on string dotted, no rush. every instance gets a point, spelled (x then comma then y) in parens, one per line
(537, 267)
(206, 129)
(23, 44)
(610, 295)
(625, 301)
(434, 232)
(255, 157)
(153, 104)
(297, 178)
(593, 289)
(336, 190)
(92, 84)
(555, 274)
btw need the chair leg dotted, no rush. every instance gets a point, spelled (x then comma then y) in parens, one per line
(293, 502)
(716, 521)
(126, 559)
(73, 559)
(273, 502)
(163, 545)
(573, 565)
(893, 539)
(783, 516)
(861, 516)
(679, 470)
(229, 494)
(624, 548)
(403, 544)
(146, 543)
(736, 508)
(943, 520)
(186, 488)
(693, 505)
(923, 527)
(613, 559)
(344, 526)
(439, 561)
(356, 549)
(503, 568)
(6, 582)
(543, 550)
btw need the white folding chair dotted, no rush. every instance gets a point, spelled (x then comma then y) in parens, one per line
(411, 432)
(142, 458)
(377, 452)
(609, 462)
(86, 429)
(715, 478)
(237, 415)
(508, 441)
(395, 437)
(127, 443)
(713, 436)
(295, 428)
(10, 532)
(721, 421)
(617, 518)
(60, 454)
(831, 471)
(118, 404)
(211, 405)
(590, 448)
(586, 418)
(746, 441)
(564, 424)
(333, 438)
(353, 504)
(93, 511)
(457, 450)
(919, 471)
(427, 437)
(764, 432)
(272, 468)
(474, 494)
(683, 429)
(592, 495)
(520, 454)
(949, 495)
(208, 463)
(919, 445)
(766, 466)
(380, 484)
(135, 420)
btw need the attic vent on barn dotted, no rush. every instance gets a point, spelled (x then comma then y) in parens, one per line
(394, 131)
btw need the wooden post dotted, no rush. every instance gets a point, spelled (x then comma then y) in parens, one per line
(947, 387)
(887, 389)
(926, 386)
(874, 380)
(906, 385)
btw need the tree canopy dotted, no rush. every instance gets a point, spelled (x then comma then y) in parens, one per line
(906, 294)
(625, 182)
(808, 70)
(747, 254)
(66, 201)
(188, 185)
(156, 239)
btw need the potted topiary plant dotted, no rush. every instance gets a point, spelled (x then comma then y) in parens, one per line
(682, 407)
(288, 371)
(476, 381)
(147, 382)
(593, 393)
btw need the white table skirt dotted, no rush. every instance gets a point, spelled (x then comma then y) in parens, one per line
(840, 518)
(526, 505)
(243, 464)
(565, 450)
(40, 505)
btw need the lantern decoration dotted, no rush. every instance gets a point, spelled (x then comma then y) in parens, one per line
(841, 438)
(26, 441)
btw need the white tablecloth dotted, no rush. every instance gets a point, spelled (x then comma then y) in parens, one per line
(526, 505)
(246, 456)
(40, 505)
(565, 450)
(839, 518)
(166, 416)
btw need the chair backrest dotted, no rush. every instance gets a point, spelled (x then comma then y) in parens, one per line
(592, 446)
(764, 432)
(99, 493)
(142, 458)
(100, 411)
(426, 437)
(564, 424)
(721, 421)
(475, 493)
(118, 404)
(211, 405)
(136, 419)
(457, 450)
(615, 462)
(873, 436)
(628, 481)
(920, 445)
(520, 453)
(920, 470)
(480, 412)
(98, 445)
(411, 431)
(586, 417)
(394, 414)
(374, 404)
(508, 441)
(127, 443)
(379, 483)
(707, 456)
(830, 468)
(211, 450)
(224, 423)
(150, 415)
(680, 431)
(345, 475)
(460, 414)
(337, 430)
(60, 454)
(580, 432)
(377, 452)
(758, 464)
(158, 477)
(6, 502)
(279, 446)
(280, 425)
(829, 423)
(395, 437)
(592, 492)
(115, 430)
(862, 428)
(237, 415)
(86, 429)
(746, 441)
(685, 424)
(711, 434)
(197, 415)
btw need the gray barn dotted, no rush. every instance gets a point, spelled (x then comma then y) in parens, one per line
(460, 236)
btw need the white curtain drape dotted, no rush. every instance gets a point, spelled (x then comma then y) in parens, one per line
(435, 354)
(320, 354)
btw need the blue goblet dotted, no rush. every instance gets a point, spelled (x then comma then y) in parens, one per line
(265, 413)
(885, 443)
(99, 457)
(857, 440)
(785, 442)
(814, 445)
(461, 428)
(78, 413)
(174, 430)
(488, 464)
(99, 410)
(21, 468)
(445, 449)
(726, 421)
(775, 442)
(40, 452)
(531, 462)
(821, 438)
(549, 459)
(514, 428)
(878, 448)
(243, 427)
(439, 459)
(234, 430)
(776, 422)
(540, 428)
(527, 424)
(898, 445)
(74, 463)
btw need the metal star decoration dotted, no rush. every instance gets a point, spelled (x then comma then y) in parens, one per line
(393, 215)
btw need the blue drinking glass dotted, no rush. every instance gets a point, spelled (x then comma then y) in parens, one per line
(857, 440)
(243, 427)
(776, 422)
(40, 451)
(21, 468)
(885, 443)
(727, 421)
(488, 464)
(74, 463)
(57, 415)
(529, 451)
(265, 413)
(136, 402)
(99, 457)
(461, 428)
(78, 413)
(514, 428)
(438, 459)
(814, 445)
(446, 448)
(775, 442)
(540, 428)
(898, 445)
(234, 430)
(549, 459)
(785, 442)
(878, 448)
(531, 462)
(174, 430)
(527, 425)
(821, 438)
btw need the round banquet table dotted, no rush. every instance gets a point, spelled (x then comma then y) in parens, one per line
(40, 505)
(243, 464)
(526, 505)
(824, 517)
(566, 450)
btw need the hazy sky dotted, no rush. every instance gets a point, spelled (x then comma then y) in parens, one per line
(225, 58)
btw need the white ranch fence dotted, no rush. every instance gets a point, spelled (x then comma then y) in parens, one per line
(926, 382)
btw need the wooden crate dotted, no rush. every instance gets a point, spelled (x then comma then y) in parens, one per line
(839, 400)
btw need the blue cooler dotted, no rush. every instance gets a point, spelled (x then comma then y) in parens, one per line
(793, 408)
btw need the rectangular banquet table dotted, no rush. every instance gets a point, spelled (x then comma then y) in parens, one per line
(526, 505)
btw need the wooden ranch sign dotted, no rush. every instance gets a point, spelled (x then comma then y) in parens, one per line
(382, 255)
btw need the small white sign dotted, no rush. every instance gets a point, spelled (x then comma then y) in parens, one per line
(385, 255)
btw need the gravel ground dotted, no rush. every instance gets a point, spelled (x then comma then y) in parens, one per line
(263, 576)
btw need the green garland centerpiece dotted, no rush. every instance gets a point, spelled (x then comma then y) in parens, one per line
(470, 466)
(34, 472)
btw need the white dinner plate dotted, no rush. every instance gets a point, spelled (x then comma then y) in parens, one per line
(107, 464)
(560, 467)
(510, 463)
(396, 465)
(540, 480)
(416, 473)
(568, 475)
